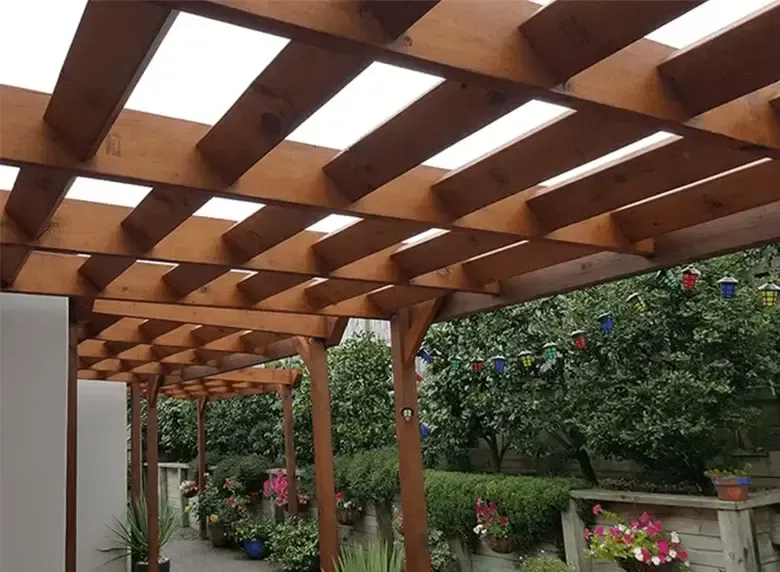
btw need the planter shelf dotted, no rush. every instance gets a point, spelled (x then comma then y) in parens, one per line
(717, 534)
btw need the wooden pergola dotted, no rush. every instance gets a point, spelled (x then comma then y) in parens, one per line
(232, 296)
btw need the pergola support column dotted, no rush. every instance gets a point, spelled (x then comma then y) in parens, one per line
(202, 458)
(135, 441)
(289, 450)
(408, 327)
(315, 356)
(152, 479)
(71, 466)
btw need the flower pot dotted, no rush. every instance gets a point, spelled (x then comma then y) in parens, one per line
(634, 565)
(348, 517)
(302, 508)
(218, 535)
(499, 545)
(165, 566)
(732, 488)
(255, 549)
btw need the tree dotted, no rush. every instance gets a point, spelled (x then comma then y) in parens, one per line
(667, 388)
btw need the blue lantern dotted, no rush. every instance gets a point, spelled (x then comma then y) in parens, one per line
(424, 431)
(499, 363)
(423, 353)
(606, 323)
(728, 286)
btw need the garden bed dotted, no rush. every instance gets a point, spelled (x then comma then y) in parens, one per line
(718, 535)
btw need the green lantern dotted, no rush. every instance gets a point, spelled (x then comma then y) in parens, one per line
(550, 351)
(455, 363)
(666, 278)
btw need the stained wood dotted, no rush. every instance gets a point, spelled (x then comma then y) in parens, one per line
(201, 422)
(738, 60)
(440, 118)
(135, 441)
(410, 466)
(109, 53)
(315, 357)
(71, 432)
(289, 449)
(396, 17)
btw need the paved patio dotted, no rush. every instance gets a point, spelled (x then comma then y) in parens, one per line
(190, 554)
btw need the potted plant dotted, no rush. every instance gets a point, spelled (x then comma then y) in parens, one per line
(132, 534)
(188, 489)
(492, 526)
(275, 489)
(730, 484)
(377, 557)
(347, 511)
(252, 534)
(638, 546)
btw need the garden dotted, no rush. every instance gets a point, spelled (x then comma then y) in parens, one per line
(672, 377)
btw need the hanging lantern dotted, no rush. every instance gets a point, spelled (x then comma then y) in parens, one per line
(424, 431)
(455, 363)
(435, 354)
(499, 363)
(636, 301)
(606, 322)
(550, 351)
(769, 293)
(666, 278)
(728, 286)
(689, 278)
(477, 365)
(423, 354)
(526, 358)
(579, 339)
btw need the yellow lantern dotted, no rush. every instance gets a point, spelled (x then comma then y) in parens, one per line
(769, 293)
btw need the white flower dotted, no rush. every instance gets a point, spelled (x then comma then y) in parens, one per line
(655, 560)
(675, 538)
(673, 553)
(622, 528)
(638, 554)
(668, 558)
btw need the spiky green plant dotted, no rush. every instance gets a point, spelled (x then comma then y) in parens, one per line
(376, 557)
(131, 535)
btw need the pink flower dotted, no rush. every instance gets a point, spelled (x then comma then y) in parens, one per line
(599, 531)
(503, 521)
(644, 518)
(646, 556)
(663, 547)
(587, 533)
(682, 555)
(653, 528)
(597, 509)
(615, 531)
(628, 539)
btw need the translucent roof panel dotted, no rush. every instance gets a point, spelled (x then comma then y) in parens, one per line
(374, 96)
(228, 209)
(333, 223)
(106, 192)
(201, 68)
(8, 177)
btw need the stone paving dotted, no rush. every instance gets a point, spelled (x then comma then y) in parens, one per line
(190, 554)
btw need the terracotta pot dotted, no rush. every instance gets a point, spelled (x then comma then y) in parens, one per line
(732, 489)
(348, 517)
(499, 545)
(633, 565)
(218, 535)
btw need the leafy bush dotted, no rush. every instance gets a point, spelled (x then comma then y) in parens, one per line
(254, 528)
(644, 486)
(294, 546)
(545, 564)
(371, 476)
(249, 470)
(375, 557)
(533, 504)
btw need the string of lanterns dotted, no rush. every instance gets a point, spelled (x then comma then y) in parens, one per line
(768, 292)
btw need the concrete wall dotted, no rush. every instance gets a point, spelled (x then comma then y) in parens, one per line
(33, 375)
(102, 470)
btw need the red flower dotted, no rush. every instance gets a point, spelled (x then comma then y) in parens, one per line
(597, 509)
(503, 521)
(682, 555)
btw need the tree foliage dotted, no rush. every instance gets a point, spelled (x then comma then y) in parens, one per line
(668, 388)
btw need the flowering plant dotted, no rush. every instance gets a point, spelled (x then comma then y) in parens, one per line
(343, 505)
(489, 521)
(641, 541)
(727, 473)
(188, 489)
(276, 489)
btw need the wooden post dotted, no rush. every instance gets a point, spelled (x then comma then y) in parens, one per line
(152, 479)
(289, 449)
(406, 338)
(573, 540)
(135, 441)
(202, 458)
(739, 544)
(314, 355)
(71, 464)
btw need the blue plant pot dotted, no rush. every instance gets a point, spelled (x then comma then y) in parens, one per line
(255, 549)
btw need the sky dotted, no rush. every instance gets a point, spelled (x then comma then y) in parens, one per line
(188, 79)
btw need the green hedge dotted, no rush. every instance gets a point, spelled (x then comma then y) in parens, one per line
(533, 504)
(249, 470)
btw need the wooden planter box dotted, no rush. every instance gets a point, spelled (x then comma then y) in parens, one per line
(718, 535)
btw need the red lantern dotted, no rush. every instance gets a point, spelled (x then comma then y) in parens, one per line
(689, 278)
(579, 339)
(477, 365)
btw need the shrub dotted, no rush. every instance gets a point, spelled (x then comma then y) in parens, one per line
(371, 476)
(546, 564)
(295, 546)
(249, 470)
(533, 504)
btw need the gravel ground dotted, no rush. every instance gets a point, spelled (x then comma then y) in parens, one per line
(190, 554)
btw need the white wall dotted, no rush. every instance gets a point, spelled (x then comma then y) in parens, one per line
(33, 378)
(102, 471)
